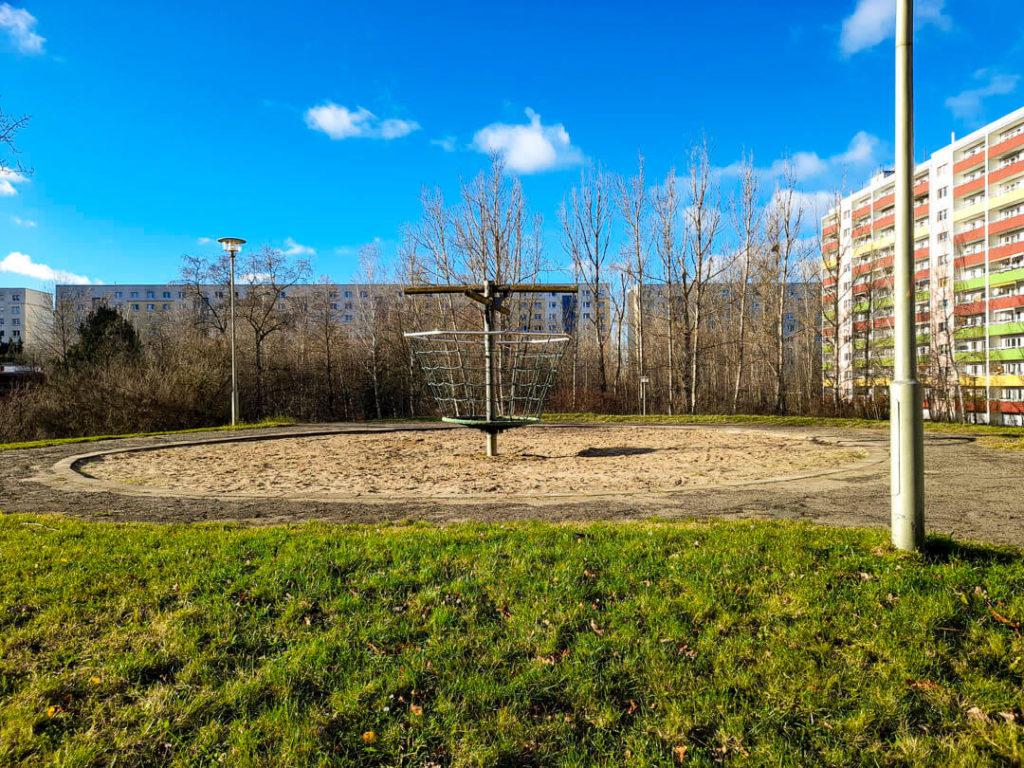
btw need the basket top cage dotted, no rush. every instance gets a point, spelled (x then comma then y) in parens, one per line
(489, 379)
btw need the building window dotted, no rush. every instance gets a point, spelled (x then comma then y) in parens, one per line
(941, 192)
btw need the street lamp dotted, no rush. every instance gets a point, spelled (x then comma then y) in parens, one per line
(232, 247)
(905, 417)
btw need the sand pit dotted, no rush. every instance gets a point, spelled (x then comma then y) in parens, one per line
(447, 464)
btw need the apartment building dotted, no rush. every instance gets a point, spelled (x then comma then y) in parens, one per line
(26, 317)
(146, 303)
(969, 278)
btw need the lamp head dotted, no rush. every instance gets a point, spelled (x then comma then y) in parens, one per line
(232, 245)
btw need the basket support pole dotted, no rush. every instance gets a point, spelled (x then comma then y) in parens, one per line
(492, 437)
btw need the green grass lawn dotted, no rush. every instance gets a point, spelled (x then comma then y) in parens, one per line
(520, 645)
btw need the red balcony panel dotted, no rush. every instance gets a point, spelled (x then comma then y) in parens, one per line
(921, 189)
(922, 317)
(861, 269)
(1002, 251)
(860, 326)
(969, 162)
(884, 202)
(885, 322)
(1004, 173)
(1005, 146)
(861, 212)
(883, 263)
(830, 247)
(831, 229)
(862, 231)
(966, 310)
(885, 221)
(828, 282)
(970, 236)
(971, 186)
(921, 274)
(921, 253)
(971, 260)
(920, 211)
(1014, 222)
(1003, 302)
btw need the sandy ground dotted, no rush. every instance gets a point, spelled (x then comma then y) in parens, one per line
(972, 491)
(539, 461)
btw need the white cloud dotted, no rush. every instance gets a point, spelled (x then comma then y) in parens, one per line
(967, 105)
(340, 122)
(293, 248)
(8, 179)
(862, 153)
(27, 223)
(17, 263)
(204, 240)
(20, 26)
(873, 21)
(530, 147)
(447, 143)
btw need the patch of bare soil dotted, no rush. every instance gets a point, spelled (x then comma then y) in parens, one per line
(538, 461)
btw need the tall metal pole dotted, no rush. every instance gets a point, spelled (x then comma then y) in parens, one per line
(492, 437)
(906, 428)
(234, 373)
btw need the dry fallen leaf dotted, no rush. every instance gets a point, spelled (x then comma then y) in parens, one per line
(975, 713)
(1010, 717)
(94, 680)
(632, 707)
(679, 752)
(597, 630)
(369, 737)
(416, 709)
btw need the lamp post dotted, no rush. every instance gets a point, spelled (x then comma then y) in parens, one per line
(906, 430)
(232, 246)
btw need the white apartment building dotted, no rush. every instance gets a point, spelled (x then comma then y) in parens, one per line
(143, 303)
(969, 275)
(26, 317)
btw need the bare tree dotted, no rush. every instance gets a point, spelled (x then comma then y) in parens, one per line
(666, 207)
(834, 246)
(703, 217)
(9, 127)
(267, 276)
(785, 217)
(632, 194)
(747, 215)
(586, 233)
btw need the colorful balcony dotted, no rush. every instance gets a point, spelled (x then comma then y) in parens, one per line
(969, 162)
(970, 235)
(1005, 173)
(1005, 225)
(884, 202)
(974, 185)
(1012, 143)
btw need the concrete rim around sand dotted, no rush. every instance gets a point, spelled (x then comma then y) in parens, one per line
(71, 470)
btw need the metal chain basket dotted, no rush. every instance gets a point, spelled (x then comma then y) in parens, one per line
(491, 380)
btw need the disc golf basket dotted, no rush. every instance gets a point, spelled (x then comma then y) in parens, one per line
(490, 380)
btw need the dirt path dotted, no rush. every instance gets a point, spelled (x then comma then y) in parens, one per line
(973, 492)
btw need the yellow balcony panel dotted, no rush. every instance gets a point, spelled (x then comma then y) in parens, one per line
(971, 210)
(1007, 199)
(995, 380)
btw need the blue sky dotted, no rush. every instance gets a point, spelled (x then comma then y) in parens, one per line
(314, 126)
